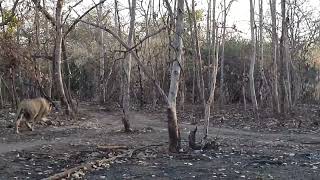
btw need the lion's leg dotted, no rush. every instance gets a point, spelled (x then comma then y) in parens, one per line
(29, 121)
(39, 115)
(29, 126)
(17, 125)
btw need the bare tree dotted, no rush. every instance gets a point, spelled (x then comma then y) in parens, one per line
(273, 11)
(198, 55)
(102, 88)
(127, 70)
(57, 56)
(209, 40)
(285, 83)
(224, 20)
(213, 78)
(173, 128)
(253, 58)
(264, 83)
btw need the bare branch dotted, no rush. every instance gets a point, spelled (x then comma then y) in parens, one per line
(75, 22)
(147, 37)
(71, 8)
(135, 56)
(45, 12)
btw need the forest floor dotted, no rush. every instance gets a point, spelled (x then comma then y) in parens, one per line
(250, 147)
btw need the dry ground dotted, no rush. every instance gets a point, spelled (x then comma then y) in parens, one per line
(250, 148)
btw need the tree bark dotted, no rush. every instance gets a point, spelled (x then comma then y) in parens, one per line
(102, 88)
(213, 78)
(252, 59)
(196, 77)
(261, 49)
(1, 96)
(127, 71)
(57, 57)
(285, 59)
(13, 89)
(173, 128)
(198, 56)
(209, 40)
(276, 106)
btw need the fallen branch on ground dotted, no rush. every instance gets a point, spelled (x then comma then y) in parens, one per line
(97, 163)
(140, 148)
(85, 166)
(111, 147)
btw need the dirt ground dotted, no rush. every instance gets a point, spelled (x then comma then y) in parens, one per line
(251, 147)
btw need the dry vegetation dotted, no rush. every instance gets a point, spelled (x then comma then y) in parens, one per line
(161, 89)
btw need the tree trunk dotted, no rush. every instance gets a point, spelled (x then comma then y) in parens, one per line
(213, 77)
(173, 128)
(222, 93)
(275, 56)
(198, 55)
(57, 57)
(195, 69)
(1, 97)
(209, 41)
(13, 89)
(285, 87)
(252, 59)
(118, 26)
(127, 71)
(46, 50)
(102, 90)
(140, 88)
(183, 85)
(261, 53)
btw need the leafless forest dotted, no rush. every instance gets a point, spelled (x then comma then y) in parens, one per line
(161, 89)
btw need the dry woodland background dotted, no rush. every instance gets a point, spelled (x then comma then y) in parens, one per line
(166, 89)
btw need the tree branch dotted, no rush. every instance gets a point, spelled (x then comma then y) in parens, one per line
(135, 56)
(45, 12)
(70, 9)
(75, 22)
(147, 37)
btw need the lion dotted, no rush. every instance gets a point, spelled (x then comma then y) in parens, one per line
(32, 110)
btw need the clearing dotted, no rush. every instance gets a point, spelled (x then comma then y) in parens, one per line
(249, 149)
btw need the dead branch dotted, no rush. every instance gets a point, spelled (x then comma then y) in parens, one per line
(111, 147)
(91, 165)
